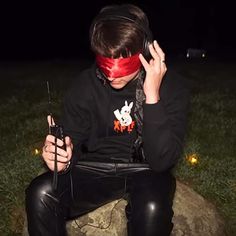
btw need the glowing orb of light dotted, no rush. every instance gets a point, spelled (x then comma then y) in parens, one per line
(36, 152)
(193, 159)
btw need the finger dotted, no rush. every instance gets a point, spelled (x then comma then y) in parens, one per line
(51, 158)
(50, 139)
(51, 165)
(164, 65)
(45, 148)
(154, 53)
(144, 62)
(51, 145)
(151, 63)
(69, 146)
(68, 141)
(61, 159)
(159, 51)
(50, 120)
(55, 149)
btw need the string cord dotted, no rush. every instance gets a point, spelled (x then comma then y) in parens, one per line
(54, 182)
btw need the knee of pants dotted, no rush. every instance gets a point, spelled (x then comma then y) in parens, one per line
(152, 217)
(38, 192)
(151, 209)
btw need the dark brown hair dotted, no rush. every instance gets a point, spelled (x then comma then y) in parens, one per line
(119, 30)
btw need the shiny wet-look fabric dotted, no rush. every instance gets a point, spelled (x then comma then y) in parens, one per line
(90, 185)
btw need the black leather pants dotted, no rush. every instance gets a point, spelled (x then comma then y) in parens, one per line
(89, 186)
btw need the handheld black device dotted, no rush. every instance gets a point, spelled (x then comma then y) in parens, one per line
(57, 131)
(54, 129)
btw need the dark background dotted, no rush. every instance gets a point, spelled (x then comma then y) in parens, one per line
(48, 30)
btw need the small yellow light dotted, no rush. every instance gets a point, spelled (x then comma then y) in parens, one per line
(192, 159)
(36, 151)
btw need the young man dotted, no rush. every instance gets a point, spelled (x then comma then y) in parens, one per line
(124, 120)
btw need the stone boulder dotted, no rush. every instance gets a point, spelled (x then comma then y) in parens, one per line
(194, 216)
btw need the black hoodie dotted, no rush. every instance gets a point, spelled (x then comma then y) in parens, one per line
(100, 120)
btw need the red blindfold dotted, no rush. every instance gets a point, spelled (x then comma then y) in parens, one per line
(119, 67)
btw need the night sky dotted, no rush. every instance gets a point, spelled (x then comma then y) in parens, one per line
(57, 29)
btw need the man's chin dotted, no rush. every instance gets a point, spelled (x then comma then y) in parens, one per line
(117, 85)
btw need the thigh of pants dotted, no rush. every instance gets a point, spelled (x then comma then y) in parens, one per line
(94, 186)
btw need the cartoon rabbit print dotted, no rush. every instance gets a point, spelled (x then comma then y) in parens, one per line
(124, 114)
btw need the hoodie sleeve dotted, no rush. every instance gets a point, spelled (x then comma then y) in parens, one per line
(76, 119)
(164, 126)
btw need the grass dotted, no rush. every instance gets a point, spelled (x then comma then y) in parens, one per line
(211, 136)
(211, 133)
